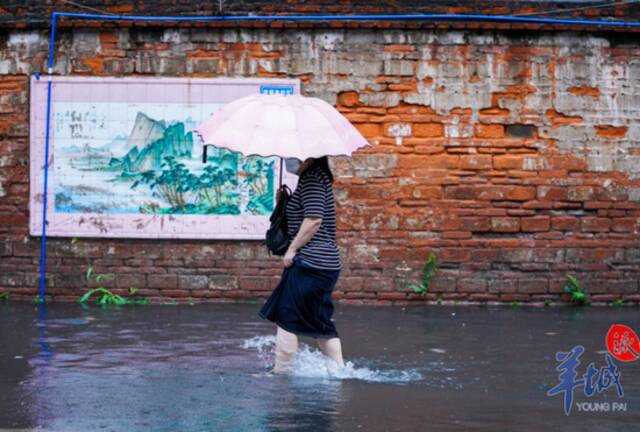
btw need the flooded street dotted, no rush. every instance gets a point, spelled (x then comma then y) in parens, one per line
(201, 368)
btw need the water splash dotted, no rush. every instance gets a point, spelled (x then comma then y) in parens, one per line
(310, 362)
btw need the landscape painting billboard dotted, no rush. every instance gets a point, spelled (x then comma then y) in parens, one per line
(125, 161)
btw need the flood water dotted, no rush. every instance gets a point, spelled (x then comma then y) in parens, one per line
(201, 368)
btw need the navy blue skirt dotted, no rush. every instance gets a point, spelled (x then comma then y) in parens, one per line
(301, 303)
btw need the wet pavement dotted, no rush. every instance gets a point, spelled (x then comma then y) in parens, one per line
(201, 368)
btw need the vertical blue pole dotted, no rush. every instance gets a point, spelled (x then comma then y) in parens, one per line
(43, 244)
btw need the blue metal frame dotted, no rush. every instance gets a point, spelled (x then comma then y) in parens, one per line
(55, 15)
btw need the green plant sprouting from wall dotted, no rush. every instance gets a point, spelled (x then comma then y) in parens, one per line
(578, 295)
(104, 296)
(428, 270)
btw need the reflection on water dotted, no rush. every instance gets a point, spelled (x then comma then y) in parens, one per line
(202, 368)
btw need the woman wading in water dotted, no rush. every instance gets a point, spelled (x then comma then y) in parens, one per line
(301, 303)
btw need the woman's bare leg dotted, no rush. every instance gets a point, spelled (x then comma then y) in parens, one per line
(286, 348)
(331, 348)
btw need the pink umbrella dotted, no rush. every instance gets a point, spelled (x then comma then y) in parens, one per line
(289, 126)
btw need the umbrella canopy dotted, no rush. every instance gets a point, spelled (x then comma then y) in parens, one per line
(281, 125)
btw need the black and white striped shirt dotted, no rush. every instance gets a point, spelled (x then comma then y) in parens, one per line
(313, 197)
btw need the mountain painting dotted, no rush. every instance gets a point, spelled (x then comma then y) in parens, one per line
(124, 160)
(145, 158)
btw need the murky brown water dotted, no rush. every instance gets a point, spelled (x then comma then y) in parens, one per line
(193, 368)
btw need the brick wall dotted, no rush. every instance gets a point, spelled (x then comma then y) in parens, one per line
(521, 161)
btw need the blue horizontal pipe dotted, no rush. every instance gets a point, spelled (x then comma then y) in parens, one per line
(507, 18)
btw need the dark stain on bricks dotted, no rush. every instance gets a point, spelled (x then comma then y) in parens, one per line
(521, 130)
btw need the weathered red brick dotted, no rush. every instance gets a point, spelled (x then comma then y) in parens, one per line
(624, 224)
(454, 254)
(595, 224)
(428, 130)
(611, 132)
(460, 192)
(508, 162)
(442, 284)
(476, 224)
(369, 129)
(485, 255)
(580, 193)
(422, 192)
(351, 283)
(489, 130)
(475, 162)
(456, 234)
(131, 280)
(558, 119)
(189, 281)
(551, 193)
(428, 161)
(505, 224)
(482, 298)
(471, 285)
(503, 285)
(175, 293)
(584, 91)
(586, 255)
(520, 193)
(535, 223)
(533, 286)
(565, 222)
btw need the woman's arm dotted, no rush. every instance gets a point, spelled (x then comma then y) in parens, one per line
(308, 228)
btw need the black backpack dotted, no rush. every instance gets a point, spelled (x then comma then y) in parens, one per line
(277, 239)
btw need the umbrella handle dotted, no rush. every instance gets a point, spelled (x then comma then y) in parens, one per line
(204, 153)
(280, 171)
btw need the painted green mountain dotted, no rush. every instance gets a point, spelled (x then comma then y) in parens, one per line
(151, 141)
